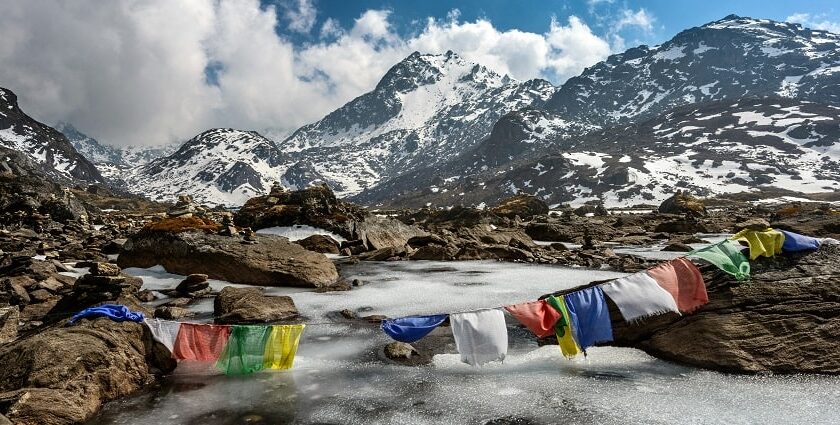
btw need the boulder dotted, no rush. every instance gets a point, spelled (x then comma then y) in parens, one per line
(105, 269)
(64, 374)
(382, 232)
(320, 243)
(399, 350)
(785, 319)
(194, 286)
(250, 305)
(681, 226)
(524, 206)
(683, 203)
(677, 247)
(434, 252)
(172, 313)
(273, 261)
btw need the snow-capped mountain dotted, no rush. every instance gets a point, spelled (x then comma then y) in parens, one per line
(726, 59)
(219, 166)
(427, 107)
(42, 144)
(114, 163)
(743, 145)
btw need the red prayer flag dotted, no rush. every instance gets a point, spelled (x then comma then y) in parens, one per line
(683, 281)
(200, 342)
(537, 316)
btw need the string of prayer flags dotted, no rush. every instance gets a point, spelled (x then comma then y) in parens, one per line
(480, 336)
(683, 281)
(727, 256)
(537, 316)
(245, 350)
(164, 331)
(281, 346)
(115, 312)
(590, 317)
(412, 328)
(767, 242)
(563, 328)
(638, 296)
(200, 342)
(794, 242)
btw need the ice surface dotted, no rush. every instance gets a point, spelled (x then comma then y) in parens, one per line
(341, 377)
(298, 232)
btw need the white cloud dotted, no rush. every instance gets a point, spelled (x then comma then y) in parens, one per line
(133, 72)
(815, 22)
(301, 16)
(640, 18)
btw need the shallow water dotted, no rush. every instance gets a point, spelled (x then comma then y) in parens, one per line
(341, 377)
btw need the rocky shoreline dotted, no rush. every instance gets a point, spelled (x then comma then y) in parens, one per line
(64, 250)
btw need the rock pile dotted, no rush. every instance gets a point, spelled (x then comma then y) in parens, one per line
(193, 286)
(105, 282)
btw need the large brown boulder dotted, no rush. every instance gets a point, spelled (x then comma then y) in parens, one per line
(320, 243)
(683, 203)
(272, 261)
(524, 206)
(64, 374)
(382, 232)
(250, 305)
(785, 319)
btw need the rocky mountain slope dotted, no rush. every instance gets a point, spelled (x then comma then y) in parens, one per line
(712, 148)
(427, 107)
(218, 166)
(113, 162)
(42, 144)
(726, 59)
(787, 76)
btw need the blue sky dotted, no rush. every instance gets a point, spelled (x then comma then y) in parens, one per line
(669, 16)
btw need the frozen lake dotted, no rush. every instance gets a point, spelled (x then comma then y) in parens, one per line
(341, 377)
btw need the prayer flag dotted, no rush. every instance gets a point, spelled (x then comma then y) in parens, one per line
(481, 336)
(282, 346)
(795, 242)
(727, 256)
(681, 278)
(563, 328)
(200, 342)
(589, 316)
(638, 296)
(412, 328)
(767, 242)
(115, 312)
(537, 316)
(245, 350)
(164, 331)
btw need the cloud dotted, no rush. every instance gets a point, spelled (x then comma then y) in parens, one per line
(640, 18)
(815, 22)
(301, 16)
(147, 72)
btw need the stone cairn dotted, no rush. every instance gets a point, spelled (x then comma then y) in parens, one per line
(185, 207)
(105, 282)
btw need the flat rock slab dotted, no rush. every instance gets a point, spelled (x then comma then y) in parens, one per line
(250, 305)
(272, 261)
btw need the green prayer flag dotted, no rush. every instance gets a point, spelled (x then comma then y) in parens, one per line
(727, 256)
(245, 350)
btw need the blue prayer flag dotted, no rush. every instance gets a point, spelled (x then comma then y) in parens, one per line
(795, 242)
(412, 328)
(590, 317)
(115, 312)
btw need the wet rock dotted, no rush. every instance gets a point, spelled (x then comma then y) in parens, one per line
(523, 206)
(381, 232)
(399, 350)
(677, 247)
(105, 269)
(682, 226)
(172, 313)
(250, 305)
(419, 241)
(273, 262)
(434, 252)
(9, 318)
(383, 254)
(320, 243)
(194, 286)
(64, 374)
(751, 224)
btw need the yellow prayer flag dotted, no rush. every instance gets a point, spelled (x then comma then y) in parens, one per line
(282, 345)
